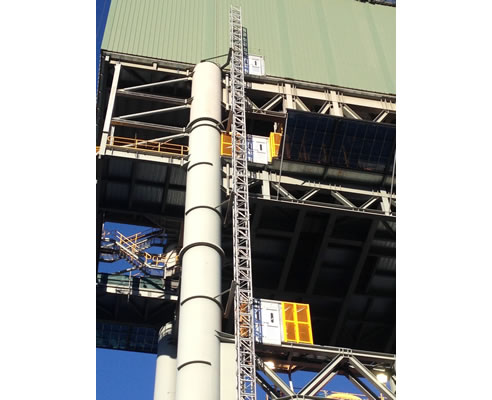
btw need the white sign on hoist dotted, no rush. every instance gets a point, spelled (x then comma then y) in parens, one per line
(257, 149)
(256, 65)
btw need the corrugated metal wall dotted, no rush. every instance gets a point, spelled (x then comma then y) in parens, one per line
(338, 42)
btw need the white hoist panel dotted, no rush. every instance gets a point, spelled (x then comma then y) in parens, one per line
(257, 149)
(256, 65)
(268, 324)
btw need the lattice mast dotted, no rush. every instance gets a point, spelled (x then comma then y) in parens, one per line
(243, 300)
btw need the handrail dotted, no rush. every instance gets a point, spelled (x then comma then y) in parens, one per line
(131, 245)
(146, 145)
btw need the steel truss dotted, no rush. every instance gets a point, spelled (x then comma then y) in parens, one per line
(289, 93)
(243, 301)
(351, 363)
(370, 202)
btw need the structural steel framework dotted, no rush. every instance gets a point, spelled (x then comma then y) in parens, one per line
(269, 100)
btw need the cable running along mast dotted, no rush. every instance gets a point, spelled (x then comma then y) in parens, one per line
(243, 299)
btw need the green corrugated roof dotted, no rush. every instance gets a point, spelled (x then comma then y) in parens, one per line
(338, 42)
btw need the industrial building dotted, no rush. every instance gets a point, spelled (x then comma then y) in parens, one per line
(253, 144)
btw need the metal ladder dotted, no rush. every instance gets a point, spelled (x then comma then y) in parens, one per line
(243, 300)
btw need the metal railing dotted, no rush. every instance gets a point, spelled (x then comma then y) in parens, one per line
(151, 145)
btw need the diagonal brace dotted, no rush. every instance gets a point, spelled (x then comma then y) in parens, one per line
(320, 380)
(370, 377)
(274, 377)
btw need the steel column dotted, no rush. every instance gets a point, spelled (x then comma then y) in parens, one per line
(198, 365)
(110, 109)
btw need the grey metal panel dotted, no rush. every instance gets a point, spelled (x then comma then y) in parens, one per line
(340, 42)
(386, 264)
(119, 167)
(178, 176)
(148, 194)
(117, 192)
(175, 198)
(151, 172)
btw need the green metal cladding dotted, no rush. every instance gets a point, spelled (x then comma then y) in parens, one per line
(337, 42)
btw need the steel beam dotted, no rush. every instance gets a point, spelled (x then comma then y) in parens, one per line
(154, 84)
(319, 257)
(355, 279)
(271, 103)
(309, 194)
(362, 387)
(342, 200)
(376, 101)
(277, 381)
(109, 110)
(301, 104)
(292, 249)
(381, 116)
(347, 111)
(328, 352)
(135, 154)
(112, 98)
(330, 208)
(391, 340)
(270, 391)
(165, 190)
(152, 97)
(153, 112)
(147, 125)
(283, 191)
(361, 369)
(133, 181)
(368, 203)
(320, 380)
(325, 107)
(336, 108)
(288, 180)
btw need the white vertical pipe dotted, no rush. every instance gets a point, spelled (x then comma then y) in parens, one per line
(200, 315)
(165, 369)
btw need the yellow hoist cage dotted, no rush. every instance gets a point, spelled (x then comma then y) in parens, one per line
(297, 323)
(273, 145)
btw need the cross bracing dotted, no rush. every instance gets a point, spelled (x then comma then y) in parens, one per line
(139, 185)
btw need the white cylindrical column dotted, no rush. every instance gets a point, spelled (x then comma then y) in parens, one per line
(165, 369)
(200, 314)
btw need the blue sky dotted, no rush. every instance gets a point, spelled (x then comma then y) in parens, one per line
(122, 375)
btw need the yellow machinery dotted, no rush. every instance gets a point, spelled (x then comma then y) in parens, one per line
(343, 396)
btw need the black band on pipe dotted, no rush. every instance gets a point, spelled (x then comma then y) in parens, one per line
(216, 123)
(194, 362)
(189, 130)
(208, 207)
(204, 297)
(213, 246)
(198, 163)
